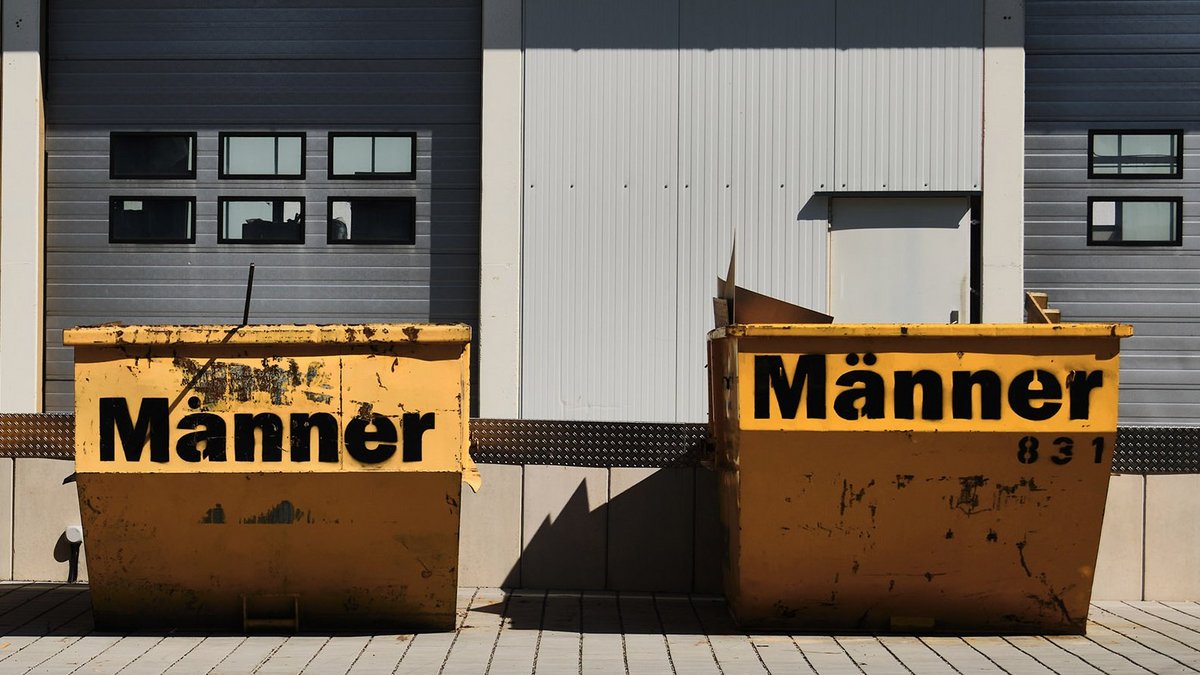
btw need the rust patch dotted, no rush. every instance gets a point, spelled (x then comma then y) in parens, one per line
(992, 536)
(968, 497)
(412, 333)
(851, 496)
(902, 481)
(316, 397)
(1021, 553)
(215, 381)
(283, 513)
(214, 516)
(949, 534)
(364, 411)
(311, 375)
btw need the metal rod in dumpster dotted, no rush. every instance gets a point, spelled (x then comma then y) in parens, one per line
(249, 289)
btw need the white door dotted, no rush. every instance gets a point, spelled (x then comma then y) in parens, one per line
(900, 260)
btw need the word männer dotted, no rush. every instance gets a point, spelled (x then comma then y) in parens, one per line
(864, 392)
(368, 439)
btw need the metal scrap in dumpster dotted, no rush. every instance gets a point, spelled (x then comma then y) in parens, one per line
(913, 478)
(272, 476)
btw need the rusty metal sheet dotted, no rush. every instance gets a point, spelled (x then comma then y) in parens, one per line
(933, 481)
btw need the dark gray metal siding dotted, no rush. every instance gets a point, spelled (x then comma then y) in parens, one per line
(314, 66)
(1117, 64)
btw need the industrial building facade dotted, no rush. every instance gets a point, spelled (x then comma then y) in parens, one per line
(568, 178)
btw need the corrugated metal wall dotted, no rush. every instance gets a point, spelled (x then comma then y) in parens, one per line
(1095, 65)
(654, 129)
(277, 65)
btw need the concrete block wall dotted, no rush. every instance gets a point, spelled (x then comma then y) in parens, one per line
(592, 529)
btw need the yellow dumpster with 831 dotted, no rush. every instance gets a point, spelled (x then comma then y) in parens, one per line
(913, 478)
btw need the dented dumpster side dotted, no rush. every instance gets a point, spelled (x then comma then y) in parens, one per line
(914, 478)
(302, 476)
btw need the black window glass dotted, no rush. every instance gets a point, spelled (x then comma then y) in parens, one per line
(372, 220)
(1135, 154)
(261, 221)
(364, 155)
(245, 155)
(1135, 221)
(138, 155)
(151, 220)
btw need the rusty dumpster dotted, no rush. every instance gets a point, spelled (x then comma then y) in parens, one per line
(913, 478)
(291, 477)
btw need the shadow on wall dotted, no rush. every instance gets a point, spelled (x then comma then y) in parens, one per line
(658, 531)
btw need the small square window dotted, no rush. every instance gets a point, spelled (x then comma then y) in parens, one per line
(372, 220)
(370, 155)
(1135, 221)
(151, 155)
(260, 220)
(1135, 154)
(253, 155)
(151, 220)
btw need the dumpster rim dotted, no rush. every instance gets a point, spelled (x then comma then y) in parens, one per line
(266, 334)
(938, 330)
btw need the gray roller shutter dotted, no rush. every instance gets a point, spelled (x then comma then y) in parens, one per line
(1116, 65)
(210, 67)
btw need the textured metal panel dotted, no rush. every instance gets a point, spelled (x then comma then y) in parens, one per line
(1116, 64)
(909, 95)
(601, 201)
(1157, 450)
(279, 65)
(580, 443)
(35, 435)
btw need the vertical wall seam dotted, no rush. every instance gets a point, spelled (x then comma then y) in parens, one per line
(1145, 499)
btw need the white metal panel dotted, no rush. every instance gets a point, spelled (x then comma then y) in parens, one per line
(900, 260)
(755, 128)
(600, 241)
(909, 95)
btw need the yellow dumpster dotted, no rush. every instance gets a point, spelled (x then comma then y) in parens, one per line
(913, 478)
(272, 476)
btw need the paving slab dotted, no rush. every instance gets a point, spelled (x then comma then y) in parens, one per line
(47, 628)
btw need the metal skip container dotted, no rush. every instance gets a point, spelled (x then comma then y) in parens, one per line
(272, 476)
(913, 478)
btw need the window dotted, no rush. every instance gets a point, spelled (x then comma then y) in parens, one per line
(369, 155)
(151, 155)
(145, 220)
(1135, 154)
(372, 220)
(1135, 221)
(254, 155)
(253, 220)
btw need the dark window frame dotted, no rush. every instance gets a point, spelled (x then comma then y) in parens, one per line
(407, 175)
(303, 136)
(112, 199)
(222, 201)
(329, 240)
(112, 164)
(1178, 201)
(1178, 173)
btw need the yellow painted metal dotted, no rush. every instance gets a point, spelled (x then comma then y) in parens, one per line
(223, 467)
(913, 478)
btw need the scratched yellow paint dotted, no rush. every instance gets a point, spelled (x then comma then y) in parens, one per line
(370, 370)
(224, 467)
(935, 519)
